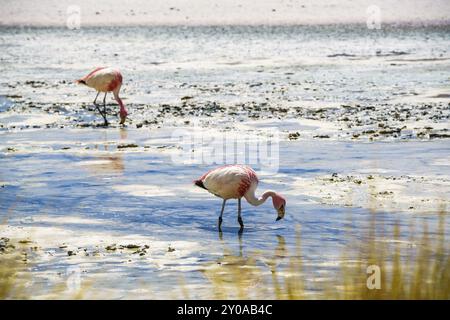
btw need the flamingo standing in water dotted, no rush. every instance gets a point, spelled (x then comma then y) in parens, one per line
(104, 79)
(235, 182)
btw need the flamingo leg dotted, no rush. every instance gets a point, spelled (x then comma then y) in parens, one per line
(98, 109)
(104, 109)
(103, 115)
(104, 102)
(221, 213)
(239, 215)
(95, 100)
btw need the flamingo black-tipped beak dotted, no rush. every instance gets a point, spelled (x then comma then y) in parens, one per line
(281, 213)
(122, 119)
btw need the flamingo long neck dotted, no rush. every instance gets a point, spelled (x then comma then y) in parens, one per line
(119, 101)
(254, 201)
(122, 107)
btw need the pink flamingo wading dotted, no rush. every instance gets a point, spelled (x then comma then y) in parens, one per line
(235, 182)
(104, 79)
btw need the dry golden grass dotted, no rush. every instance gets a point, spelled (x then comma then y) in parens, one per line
(16, 280)
(12, 285)
(419, 271)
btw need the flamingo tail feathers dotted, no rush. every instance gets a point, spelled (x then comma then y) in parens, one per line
(199, 183)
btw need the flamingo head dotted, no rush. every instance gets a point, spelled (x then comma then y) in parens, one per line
(123, 116)
(279, 203)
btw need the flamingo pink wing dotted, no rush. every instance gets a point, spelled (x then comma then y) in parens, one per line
(230, 181)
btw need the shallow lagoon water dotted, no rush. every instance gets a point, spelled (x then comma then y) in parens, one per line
(68, 186)
(87, 194)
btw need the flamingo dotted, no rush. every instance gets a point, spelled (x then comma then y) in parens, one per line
(104, 79)
(237, 181)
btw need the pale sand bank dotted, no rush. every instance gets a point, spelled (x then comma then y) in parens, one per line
(217, 12)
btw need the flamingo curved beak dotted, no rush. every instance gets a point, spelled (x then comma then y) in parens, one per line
(123, 117)
(281, 212)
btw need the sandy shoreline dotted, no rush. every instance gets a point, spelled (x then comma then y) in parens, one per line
(216, 12)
